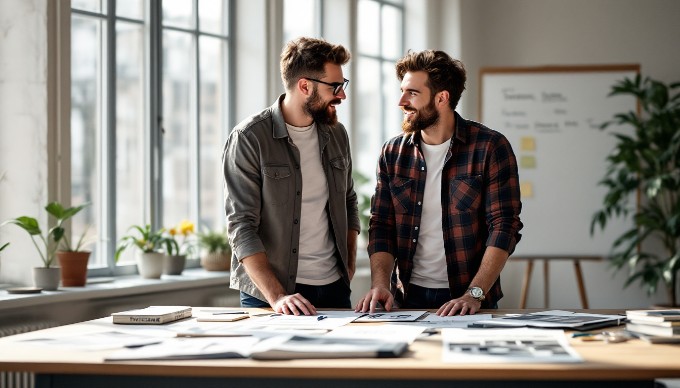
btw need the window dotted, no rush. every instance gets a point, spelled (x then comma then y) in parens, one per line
(148, 116)
(379, 46)
(301, 18)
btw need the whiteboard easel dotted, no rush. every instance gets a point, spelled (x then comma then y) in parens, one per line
(551, 116)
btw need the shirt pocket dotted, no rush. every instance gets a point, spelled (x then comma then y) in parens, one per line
(340, 168)
(401, 189)
(466, 193)
(277, 184)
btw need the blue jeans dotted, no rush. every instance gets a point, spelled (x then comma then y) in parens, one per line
(426, 298)
(429, 298)
(333, 295)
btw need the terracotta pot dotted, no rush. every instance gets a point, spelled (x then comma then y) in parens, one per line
(216, 261)
(47, 278)
(174, 264)
(73, 268)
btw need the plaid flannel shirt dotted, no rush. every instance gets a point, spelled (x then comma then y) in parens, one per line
(480, 203)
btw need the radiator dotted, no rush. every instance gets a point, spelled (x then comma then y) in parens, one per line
(20, 379)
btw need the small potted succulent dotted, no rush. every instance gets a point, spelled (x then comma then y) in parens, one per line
(215, 250)
(150, 244)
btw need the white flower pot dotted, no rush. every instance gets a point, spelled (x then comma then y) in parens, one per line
(47, 278)
(150, 264)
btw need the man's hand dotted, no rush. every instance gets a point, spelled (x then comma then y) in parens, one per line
(465, 305)
(294, 304)
(376, 295)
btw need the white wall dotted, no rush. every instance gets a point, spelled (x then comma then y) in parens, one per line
(23, 129)
(557, 32)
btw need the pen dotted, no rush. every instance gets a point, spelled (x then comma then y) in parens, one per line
(320, 317)
(230, 312)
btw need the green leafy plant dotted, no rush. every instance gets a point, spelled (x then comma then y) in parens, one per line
(146, 240)
(214, 241)
(363, 200)
(646, 162)
(55, 236)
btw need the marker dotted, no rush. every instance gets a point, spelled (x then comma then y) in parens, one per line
(321, 317)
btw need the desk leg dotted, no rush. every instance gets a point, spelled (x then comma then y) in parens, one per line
(546, 283)
(581, 286)
(525, 284)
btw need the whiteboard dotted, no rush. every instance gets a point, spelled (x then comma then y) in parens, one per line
(551, 116)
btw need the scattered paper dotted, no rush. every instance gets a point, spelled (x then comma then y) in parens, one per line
(506, 345)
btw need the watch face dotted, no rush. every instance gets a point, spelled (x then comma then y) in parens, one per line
(476, 292)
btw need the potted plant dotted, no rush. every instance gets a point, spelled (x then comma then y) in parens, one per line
(175, 259)
(149, 257)
(72, 258)
(646, 162)
(47, 277)
(215, 250)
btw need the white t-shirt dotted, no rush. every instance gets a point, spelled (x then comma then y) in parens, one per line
(429, 261)
(317, 264)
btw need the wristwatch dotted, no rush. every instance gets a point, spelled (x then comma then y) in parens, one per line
(477, 293)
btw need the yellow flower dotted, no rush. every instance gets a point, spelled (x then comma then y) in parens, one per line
(172, 231)
(186, 227)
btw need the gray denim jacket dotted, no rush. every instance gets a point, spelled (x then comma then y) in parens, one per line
(263, 187)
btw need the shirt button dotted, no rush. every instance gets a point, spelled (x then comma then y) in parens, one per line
(295, 222)
(414, 240)
(416, 228)
(292, 277)
(419, 203)
(294, 250)
(422, 169)
(298, 193)
(297, 167)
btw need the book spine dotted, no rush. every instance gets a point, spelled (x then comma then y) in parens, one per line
(151, 319)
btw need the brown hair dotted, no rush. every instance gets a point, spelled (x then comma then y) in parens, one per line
(444, 72)
(306, 57)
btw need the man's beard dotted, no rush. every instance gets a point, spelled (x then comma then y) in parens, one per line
(422, 119)
(319, 111)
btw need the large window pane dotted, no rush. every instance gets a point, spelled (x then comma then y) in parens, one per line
(132, 9)
(212, 16)
(130, 130)
(391, 32)
(299, 19)
(178, 13)
(212, 135)
(98, 6)
(179, 122)
(86, 125)
(368, 27)
(369, 125)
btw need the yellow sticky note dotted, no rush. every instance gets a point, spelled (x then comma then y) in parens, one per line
(526, 189)
(528, 143)
(527, 161)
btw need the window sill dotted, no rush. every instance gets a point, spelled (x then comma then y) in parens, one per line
(119, 286)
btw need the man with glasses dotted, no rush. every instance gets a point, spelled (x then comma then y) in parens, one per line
(445, 214)
(291, 209)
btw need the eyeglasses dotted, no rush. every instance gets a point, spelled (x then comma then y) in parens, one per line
(337, 86)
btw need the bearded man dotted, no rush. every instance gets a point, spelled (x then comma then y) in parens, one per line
(291, 208)
(445, 213)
